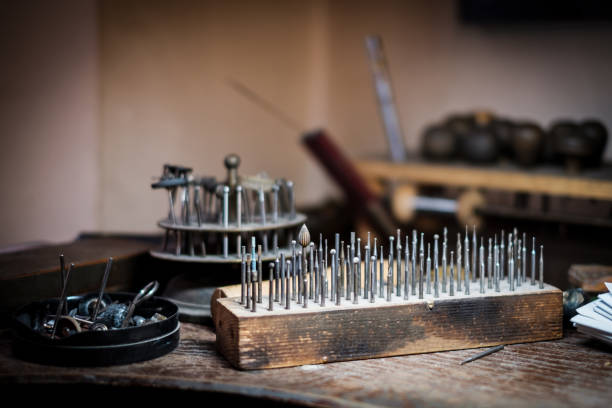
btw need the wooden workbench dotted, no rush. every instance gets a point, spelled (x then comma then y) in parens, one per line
(570, 372)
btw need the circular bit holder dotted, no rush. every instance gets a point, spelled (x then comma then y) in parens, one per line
(209, 221)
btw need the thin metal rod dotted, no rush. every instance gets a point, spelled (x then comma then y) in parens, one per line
(482, 354)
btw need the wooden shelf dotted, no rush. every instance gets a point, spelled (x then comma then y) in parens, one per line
(542, 180)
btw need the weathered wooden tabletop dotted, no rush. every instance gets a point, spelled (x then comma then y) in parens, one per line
(573, 371)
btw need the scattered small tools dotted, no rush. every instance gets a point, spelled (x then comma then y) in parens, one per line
(95, 313)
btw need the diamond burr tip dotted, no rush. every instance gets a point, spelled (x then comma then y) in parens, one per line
(304, 236)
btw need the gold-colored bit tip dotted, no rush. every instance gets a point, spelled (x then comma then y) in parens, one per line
(304, 236)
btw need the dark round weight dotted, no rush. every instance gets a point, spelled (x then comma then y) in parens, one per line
(571, 145)
(480, 146)
(439, 143)
(527, 141)
(504, 132)
(597, 134)
(460, 125)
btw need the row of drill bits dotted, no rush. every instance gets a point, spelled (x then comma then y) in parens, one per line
(355, 273)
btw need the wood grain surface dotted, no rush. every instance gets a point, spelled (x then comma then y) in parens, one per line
(569, 372)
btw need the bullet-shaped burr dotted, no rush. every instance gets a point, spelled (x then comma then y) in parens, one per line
(459, 267)
(243, 267)
(490, 265)
(398, 281)
(533, 261)
(474, 254)
(304, 241)
(436, 265)
(271, 287)
(414, 260)
(356, 263)
(444, 259)
(451, 284)
(541, 266)
(428, 270)
(254, 290)
(259, 274)
(390, 267)
(511, 271)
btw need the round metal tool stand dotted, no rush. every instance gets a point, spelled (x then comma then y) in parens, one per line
(214, 222)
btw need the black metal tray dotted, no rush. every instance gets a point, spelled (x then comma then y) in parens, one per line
(97, 348)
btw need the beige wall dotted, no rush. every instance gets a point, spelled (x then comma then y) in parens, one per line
(48, 120)
(156, 91)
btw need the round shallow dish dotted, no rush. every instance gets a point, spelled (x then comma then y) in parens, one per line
(96, 348)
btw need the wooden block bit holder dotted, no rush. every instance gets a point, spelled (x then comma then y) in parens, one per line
(313, 335)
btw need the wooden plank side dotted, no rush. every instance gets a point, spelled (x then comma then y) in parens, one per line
(307, 336)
